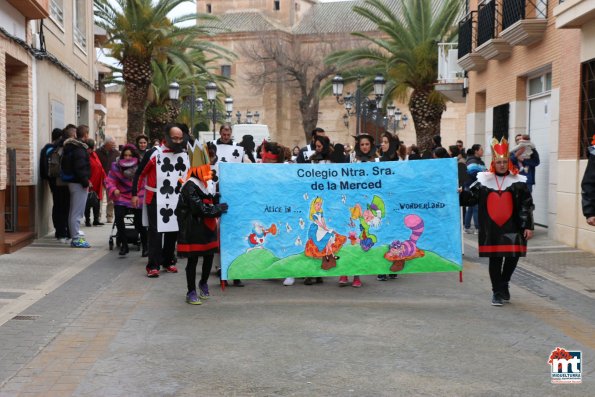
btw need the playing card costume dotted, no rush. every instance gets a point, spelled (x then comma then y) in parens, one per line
(505, 212)
(197, 213)
(162, 167)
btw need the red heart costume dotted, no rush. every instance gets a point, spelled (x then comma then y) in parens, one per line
(505, 208)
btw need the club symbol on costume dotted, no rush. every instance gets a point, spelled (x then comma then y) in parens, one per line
(167, 188)
(298, 241)
(236, 154)
(302, 224)
(223, 160)
(180, 166)
(167, 166)
(178, 187)
(166, 214)
(288, 227)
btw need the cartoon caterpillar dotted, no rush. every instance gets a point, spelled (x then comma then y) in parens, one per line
(400, 251)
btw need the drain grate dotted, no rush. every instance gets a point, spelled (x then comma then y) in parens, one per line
(34, 317)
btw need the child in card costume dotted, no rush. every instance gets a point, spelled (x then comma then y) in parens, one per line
(197, 213)
(505, 218)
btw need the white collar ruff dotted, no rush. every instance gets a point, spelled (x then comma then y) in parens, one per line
(488, 179)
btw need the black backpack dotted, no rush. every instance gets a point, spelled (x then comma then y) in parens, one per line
(54, 160)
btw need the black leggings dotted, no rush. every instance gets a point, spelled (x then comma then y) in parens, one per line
(207, 264)
(500, 275)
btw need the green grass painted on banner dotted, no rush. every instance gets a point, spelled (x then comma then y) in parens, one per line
(262, 263)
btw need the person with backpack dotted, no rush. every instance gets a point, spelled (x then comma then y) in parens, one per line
(76, 171)
(49, 170)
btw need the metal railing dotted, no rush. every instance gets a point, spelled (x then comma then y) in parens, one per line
(449, 70)
(486, 22)
(11, 206)
(467, 34)
(516, 10)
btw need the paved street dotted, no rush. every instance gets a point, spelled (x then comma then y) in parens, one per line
(87, 323)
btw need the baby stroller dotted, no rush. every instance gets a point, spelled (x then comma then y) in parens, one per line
(132, 234)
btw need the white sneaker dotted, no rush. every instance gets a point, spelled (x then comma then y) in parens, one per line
(289, 281)
(468, 231)
(64, 240)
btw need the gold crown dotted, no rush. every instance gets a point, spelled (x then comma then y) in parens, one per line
(198, 154)
(499, 148)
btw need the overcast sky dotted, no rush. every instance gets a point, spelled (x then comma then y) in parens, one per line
(182, 9)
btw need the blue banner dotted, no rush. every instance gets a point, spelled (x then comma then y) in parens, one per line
(316, 220)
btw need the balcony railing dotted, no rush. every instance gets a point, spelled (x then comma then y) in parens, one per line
(466, 34)
(486, 22)
(516, 10)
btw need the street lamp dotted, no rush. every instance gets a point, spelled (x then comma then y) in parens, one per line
(198, 103)
(250, 117)
(395, 116)
(362, 103)
(211, 89)
(192, 102)
(228, 109)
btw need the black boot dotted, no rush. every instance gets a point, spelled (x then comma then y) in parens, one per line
(96, 222)
(88, 222)
(123, 249)
(145, 251)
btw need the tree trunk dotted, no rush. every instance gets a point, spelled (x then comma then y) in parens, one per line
(426, 118)
(309, 112)
(137, 75)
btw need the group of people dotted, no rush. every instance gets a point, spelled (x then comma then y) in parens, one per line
(176, 184)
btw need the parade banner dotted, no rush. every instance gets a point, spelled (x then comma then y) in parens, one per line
(317, 220)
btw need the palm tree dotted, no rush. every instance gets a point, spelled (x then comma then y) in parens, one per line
(407, 54)
(139, 31)
(161, 110)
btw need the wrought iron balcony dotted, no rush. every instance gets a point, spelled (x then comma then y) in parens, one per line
(523, 21)
(468, 59)
(489, 17)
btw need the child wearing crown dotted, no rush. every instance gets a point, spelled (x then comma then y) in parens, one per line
(505, 218)
(197, 213)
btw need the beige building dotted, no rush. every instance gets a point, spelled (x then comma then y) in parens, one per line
(47, 81)
(312, 30)
(523, 61)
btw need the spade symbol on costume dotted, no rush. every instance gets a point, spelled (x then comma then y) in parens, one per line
(223, 160)
(166, 214)
(167, 188)
(167, 166)
(180, 166)
(236, 154)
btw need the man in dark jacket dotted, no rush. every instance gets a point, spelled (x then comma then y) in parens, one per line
(107, 154)
(588, 187)
(76, 171)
